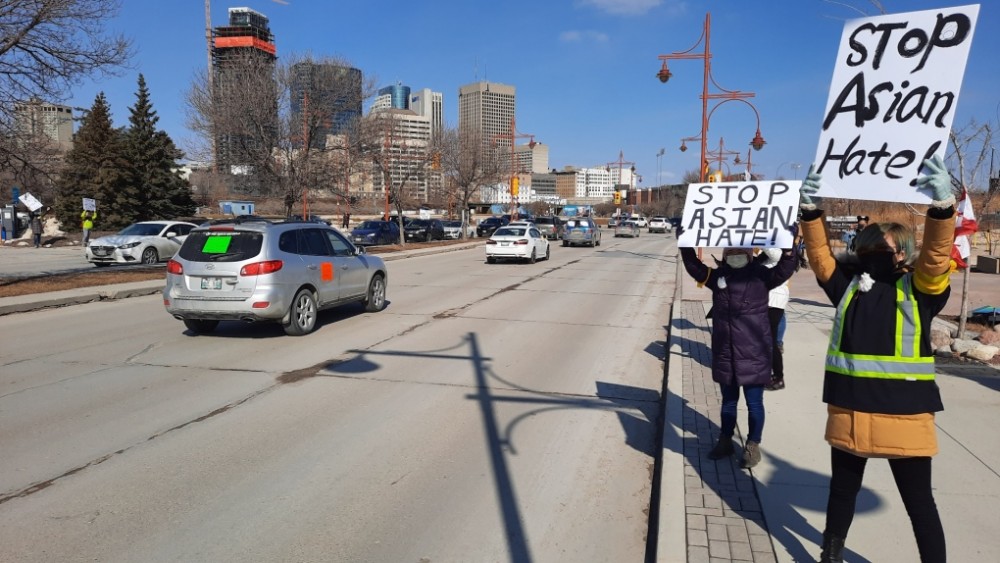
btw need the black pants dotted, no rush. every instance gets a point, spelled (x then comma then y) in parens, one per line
(774, 315)
(913, 480)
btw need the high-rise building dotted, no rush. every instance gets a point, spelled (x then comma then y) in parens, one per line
(396, 96)
(35, 120)
(430, 105)
(408, 138)
(486, 109)
(332, 89)
(244, 90)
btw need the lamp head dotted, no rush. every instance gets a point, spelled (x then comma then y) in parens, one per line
(758, 141)
(684, 146)
(664, 74)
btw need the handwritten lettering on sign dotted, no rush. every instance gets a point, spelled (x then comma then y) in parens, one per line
(740, 214)
(892, 101)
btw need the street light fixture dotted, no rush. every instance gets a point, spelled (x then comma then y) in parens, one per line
(512, 135)
(724, 95)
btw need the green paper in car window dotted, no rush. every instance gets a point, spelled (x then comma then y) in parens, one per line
(216, 244)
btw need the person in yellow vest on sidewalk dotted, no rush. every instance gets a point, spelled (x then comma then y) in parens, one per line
(87, 219)
(879, 382)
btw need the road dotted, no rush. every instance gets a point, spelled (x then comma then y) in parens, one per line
(501, 412)
(19, 262)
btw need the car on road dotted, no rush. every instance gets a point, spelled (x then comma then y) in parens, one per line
(659, 225)
(259, 271)
(486, 226)
(550, 226)
(145, 242)
(627, 229)
(375, 232)
(613, 222)
(581, 230)
(516, 242)
(453, 230)
(424, 230)
(639, 220)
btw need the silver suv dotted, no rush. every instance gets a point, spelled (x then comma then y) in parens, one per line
(256, 270)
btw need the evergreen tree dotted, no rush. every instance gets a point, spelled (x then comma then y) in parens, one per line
(155, 184)
(95, 169)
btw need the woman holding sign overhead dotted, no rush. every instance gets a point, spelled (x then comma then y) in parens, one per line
(741, 337)
(879, 383)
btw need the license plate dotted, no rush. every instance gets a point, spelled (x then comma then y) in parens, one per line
(211, 283)
(100, 252)
(504, 244)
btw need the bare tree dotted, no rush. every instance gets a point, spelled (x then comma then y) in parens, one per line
(467, 168)
(46, 48)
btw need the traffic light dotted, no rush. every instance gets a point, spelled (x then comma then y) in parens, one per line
(514, 186)
(618, 197)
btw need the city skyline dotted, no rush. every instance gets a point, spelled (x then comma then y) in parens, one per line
(585, 71)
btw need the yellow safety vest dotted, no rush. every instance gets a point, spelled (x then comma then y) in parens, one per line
(906, 363)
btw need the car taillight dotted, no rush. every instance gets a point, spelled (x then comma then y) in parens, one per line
(174, 267)
(491, 241)
(261, 268)
(521, 242)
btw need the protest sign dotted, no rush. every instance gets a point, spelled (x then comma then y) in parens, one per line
(89, 204)
(740, 214)
(892, 101)
(30, 202)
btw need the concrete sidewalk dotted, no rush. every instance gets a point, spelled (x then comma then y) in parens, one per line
(715, 511)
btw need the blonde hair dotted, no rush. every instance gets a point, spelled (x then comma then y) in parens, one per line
(872, 239)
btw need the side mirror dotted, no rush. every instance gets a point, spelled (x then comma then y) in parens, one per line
(170, 234)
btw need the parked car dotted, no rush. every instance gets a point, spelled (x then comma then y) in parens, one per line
(517, 243)
(453, 230)
(259, 271)
(550, 226)
(627, 229)
(659, 225)
(375, 232)
(581, 230)
(486, 226)
(424, 230)
(613, 222)
(145, 242)
(639, 220)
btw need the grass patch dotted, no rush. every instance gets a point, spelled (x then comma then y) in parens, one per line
(10, 287)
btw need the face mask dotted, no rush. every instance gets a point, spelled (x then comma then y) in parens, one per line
(880, 265)
(737, 261)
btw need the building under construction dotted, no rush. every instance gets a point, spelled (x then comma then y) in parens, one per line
(245, 95)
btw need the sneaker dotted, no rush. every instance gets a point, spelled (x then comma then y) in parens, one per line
(775, 385)
(723, 448)
(751, 454)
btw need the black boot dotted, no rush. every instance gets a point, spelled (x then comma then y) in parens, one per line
(833, 549)
(723, 448)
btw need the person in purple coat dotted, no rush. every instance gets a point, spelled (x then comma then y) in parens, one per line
(741, 337)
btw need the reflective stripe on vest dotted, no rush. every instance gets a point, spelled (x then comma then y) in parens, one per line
(906, 363)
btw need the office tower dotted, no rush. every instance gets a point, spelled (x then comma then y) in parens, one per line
(486, 109)
(430, 105)
(408, 137)
(332, 89)
(398, 96)
(36, 121)
(532, 157)
(244, 90)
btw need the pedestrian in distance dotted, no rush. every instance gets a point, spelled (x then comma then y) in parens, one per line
(87, 219)
(879, 378)
(742, 344)
(36, 228)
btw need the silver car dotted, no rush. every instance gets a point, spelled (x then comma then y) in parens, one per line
(259, 271)
(146, 242)
(581, 230)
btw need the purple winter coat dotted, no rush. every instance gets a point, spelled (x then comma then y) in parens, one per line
(741, 333)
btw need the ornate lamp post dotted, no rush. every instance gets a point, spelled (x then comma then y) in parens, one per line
(724, 95)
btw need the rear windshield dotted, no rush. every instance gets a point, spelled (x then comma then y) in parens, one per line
(544, 220)
(510, 232)
(222, 246)
(489, 221)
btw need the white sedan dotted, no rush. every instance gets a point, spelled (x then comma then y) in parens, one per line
(453, 230)
(146, 242)
(517, 243)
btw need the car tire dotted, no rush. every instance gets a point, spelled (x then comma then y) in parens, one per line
(428, 238)
(565, 243)
(302, 314)
(375, 299)
(533, 258)
(150, 256)
(200, 326)
(548, 251)
(491, 260)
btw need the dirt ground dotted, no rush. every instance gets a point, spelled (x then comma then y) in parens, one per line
(10, 287)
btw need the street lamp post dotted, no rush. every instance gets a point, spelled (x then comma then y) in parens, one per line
(512, 135)
(659, 167)
(620, 163)
(724, 95)
(795, 166)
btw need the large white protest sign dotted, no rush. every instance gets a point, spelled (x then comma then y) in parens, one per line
(30, 201)
(740, 214)
(892, 101)
(89, 204)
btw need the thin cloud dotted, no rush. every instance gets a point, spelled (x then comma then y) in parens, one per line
(623, 7)
(580, 36)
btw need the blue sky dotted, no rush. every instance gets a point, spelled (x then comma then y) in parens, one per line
(584, 69)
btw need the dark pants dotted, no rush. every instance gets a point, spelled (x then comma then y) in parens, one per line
(913, 480)
(754, 396)
(774, 316)
(38, 239)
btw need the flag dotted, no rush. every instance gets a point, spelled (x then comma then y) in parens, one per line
(965, 226)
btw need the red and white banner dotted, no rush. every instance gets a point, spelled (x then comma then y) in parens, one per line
(965, 226)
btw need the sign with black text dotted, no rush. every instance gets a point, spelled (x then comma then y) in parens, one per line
(892, 101)
(740, 214)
